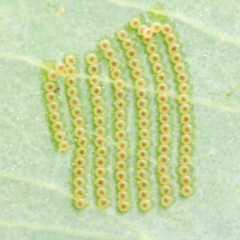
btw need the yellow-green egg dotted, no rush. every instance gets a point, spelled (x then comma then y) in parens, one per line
(80, 203)
(78, 172)
(151, 48)
(93, 69)
(144, 133)
(187, 128)
(164, 149)
(142, 103)
(50, 86)
(63, 146)
(99, 141)
(170, 38)
(147, 40)
(119, 84)
(123, 206)
(120, 135)
(100, 182)
(186, 180)
(53, 106)
(183, 88)
(127, 43)
(72, 92)
(104, 44)
(131, 53)
(154, 58)
(81, 152)
(100, 162)
(98, 111)
(122, 196)
(165, 128)
(57, 126)
(109, 53)
(143, 184)
(79, 132)
(184, 108)
(51, 96)
(164, 179)
(79, 192)
(99, 121)
(176, 58)
(183, 170)
(122, 34)
(145, 205)
(122, 155)
(114, 63)
(134, 63)
(103, 203)
(185, 118)
(143, 144)
(143, 194)
(120, 124)
(122, 145)
(185, 160)
(70, 60)
(141, 28)
(59, 136)
(94, 80)
(91, 58)
(186, 191)
(179, 67)
(120, 114)
(116, 73)
(147, 32)
(101, 192)
(96, 90)
(186, 139)
(101, 152)
(52, 75)
(78, 122)
(70, 81)
(82, 142)
(141, 93)
(164, 118)
(60, 68)
(54, 116)
(143, 123)
(160, 77)
(135, 23)
(79, 162)
(156, 27)
(143, 113)
(142, 164)
(100, 131)
(165, 138)
(141, 174)
(166, 201)
(121, 175)
(142, 154)
(162, 88)
(76, 112)
(163, 159)
(164, 108)
(122, 185)
(162, 98)
(173, 48)
(162, 169)
(100, 172)
(74, 102)
(120, 94)
(140, 83)
(166, 28)
(70, 71)
(165, 190)
(120, 165)
(185, 149)
(157, 67)
(97, 101)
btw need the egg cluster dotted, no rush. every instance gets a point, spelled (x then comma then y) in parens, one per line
(162, 97)
(100, 130)
(127, 38)
(120, 124)
(143, 123)
(184, 109)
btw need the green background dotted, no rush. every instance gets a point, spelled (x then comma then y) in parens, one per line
(35, 189)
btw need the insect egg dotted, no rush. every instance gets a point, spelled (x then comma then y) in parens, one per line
(151, 48)
(100, 162)
(186, 191)
(186, 180)
(120, 135)
(183, 170)
(147, 32)
(142, 164)
(122, 185)
(91, 58)
(120, 175)
(185, 160)
(80, 203)
(144, 133)
(93, 69)
(78, 121)
(101, 192)
(165, 138)
(51, 96)
(99, 121)
(49, 86)
(185, 149)
(166, 201)
(143, 194)
(109, 53)
(186, 139)
(121, 155)
(104, 44)
(114, 63)
(140, 83)
(176, 58)
(54, 116)
(74, 102)
(145, 205)
(163, 159)
(79, 162)
(142, 103)
(141, 174)
(156, 27)
(170, 38)
(122, 196)
(160, 77)
(63, 146)
(127, 43)
(59, 136)
(96, 90)
(60, 68)
(123, 206)
(120, 165)
(154, 58)
(131, 53)
(70, 60)
(165, 190)
(76, 112)
(173, 48)
(53, 106)
(135, 22)
(78, 172)
(81, 152)
(134, 63)
(179, 67)
(157, 67)
(52, 75)
(141, 28)
(79, 192)
(122, 35)
(103, 203)
(82, 142)
(116, 73)
(187, 128)
(166, 28)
